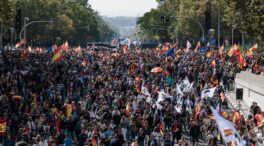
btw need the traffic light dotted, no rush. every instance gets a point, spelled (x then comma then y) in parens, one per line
(164, 18)
(167, 19)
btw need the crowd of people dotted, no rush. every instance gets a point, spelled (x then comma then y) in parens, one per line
(113, 98)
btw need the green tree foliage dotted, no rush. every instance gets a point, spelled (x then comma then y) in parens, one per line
(246, 15)
(74, 20)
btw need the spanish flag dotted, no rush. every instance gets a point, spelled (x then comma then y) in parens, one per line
(260, 120)
(231, 50)
(68, 109)
(224, 114)
(94, 142)
(228, 132)
(20, 43)
(2, 126)
(138, 86)
(241, 61)
(250, 51)
(208, 54)
(65, 46)
(128, 108)
(213, 64)
(220, 51)
(197, 46)
(57, 56)
(125, 49)
(235, 117)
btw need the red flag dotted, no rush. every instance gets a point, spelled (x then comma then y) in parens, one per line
(213, 64)
(20, 43)
(235, 117)
(260, 120)
(220, 52)
(250, 51)
(65, 46)
(241, 61)
(57, 56)
(125, 49)
(197, 46)
(3, 122)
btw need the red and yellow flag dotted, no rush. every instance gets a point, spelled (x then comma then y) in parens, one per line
(224, 114)
(57, 56)
(220, 51)
(260, 120)
(65, 46)
(250, 51)
(228, 132)
(232, 49)
(94, 142)
(125, 49)
(3, 122)
(241, 61)
(20, 43)
(213, 64)
(236, 116)
(197, 46)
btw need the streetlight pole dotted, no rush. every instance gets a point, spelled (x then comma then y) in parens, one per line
(233, 28)
(218, 31)
(187, 17)
(20, 34)
(25, 31)
(11, 36)
(1, 34)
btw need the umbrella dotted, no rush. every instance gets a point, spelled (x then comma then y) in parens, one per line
(157, 70)
(17, 97)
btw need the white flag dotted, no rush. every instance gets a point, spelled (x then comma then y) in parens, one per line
(208, 92)
(227, 129)
(188, 46)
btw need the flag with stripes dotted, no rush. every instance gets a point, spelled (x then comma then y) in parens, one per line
(57, 56)
(3, 122)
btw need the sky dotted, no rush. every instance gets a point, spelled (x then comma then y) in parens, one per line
(114, 8)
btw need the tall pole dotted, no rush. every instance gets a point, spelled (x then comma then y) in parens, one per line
(20, 34)
(25, 31)
(1, 34)
(218, 31)
(11, 36)
(233, 36)
(187, 17)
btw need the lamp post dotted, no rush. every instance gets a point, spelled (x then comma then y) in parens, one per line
(233, 28)
(20, 34)
(25, 31)
(188, 17)
(1, 35)
(11, 36)
(218, 24)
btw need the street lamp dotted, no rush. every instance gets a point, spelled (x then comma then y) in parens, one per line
(20, 34)
(1, 35)
(11, 36)
(25, 31)
(233, 28)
